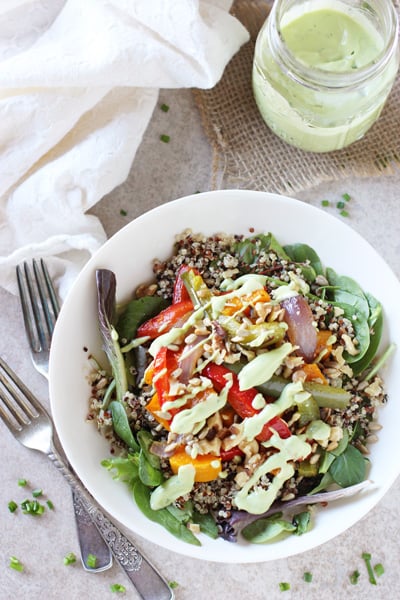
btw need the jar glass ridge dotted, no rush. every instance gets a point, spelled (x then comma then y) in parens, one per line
(327, 106)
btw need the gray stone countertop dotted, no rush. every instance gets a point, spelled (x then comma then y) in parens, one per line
(160, 173)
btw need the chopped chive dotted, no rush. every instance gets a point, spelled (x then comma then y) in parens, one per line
(340, 204)
(12, 506)
(344, 213)
(165, 138)
(36, 493)
(367, 559)
(284, 586)
(346, 197)
(379, 570)
(173, 584)
(307, 577)
(164, 107)
(123, 212)
(117, 587)
(69, 559)
(354, 577)
(91, 560)
(22, 482)
(50, 504)
(32, 507)
(325, 202)
(16, 564)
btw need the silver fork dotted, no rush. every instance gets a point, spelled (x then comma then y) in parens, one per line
(27, 420)
(40, 309)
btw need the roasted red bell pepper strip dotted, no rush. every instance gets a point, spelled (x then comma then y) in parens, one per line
(276, 424)
(180, 293)
(165, 363)
(165, 320)
(231, 453)
(241, 400)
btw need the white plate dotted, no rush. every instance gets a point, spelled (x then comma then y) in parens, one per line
(129, 254)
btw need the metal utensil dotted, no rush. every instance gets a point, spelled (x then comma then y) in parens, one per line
(30, 424)
(40, 309)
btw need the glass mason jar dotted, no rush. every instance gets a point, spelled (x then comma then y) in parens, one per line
(323, 69)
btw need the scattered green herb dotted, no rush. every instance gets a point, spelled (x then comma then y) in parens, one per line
(91, 560)
(164, 107)
(344, 213)
(22, 482)
(117, 587)
(32, 507)
(284, 586)
(165, 138)
(367, 559)
(173, 584)
(307, 577)
(325, 203)
(354, 577)
(69, 559)
(12, 506)
(346, 197)
(50, 504)
(123, 212)
(36, 493)
(379, 570)
(340, 204)
(16, 564)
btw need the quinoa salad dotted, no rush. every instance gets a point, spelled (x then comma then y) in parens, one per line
(242, 388)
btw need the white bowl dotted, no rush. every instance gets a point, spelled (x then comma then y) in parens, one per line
(129, 254)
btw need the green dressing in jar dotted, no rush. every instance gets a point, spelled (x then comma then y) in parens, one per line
(324, 68)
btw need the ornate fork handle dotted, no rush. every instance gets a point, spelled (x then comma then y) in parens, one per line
(144, 576)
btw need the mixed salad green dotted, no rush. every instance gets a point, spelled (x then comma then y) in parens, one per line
(232, 408)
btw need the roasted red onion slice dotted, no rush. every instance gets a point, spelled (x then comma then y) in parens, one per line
(301, 331)
(190, 355)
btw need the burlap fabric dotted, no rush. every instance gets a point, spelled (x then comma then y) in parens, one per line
(248, 155)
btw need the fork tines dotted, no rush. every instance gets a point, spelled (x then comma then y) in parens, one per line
(39, 303)
(19, 405)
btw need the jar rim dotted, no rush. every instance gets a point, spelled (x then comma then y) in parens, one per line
(315, 77)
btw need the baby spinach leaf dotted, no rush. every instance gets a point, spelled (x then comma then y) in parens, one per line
(302, 253)
(349, 467)
(375, 322)
(375, 309)
(121, 425)
(375, 338)
(347, 291)
(267, 528)
(207, 524)
(275, 246)
(182, 514)
(149, 475)
(250, 248)
(326, 480)
(149, 464)
(142, 498)
(136, 312)
(145, 440)
(326, 460)
(302, 522)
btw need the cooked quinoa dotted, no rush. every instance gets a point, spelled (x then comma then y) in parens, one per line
(216, 259)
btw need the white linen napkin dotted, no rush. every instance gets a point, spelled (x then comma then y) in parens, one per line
(78, 84)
